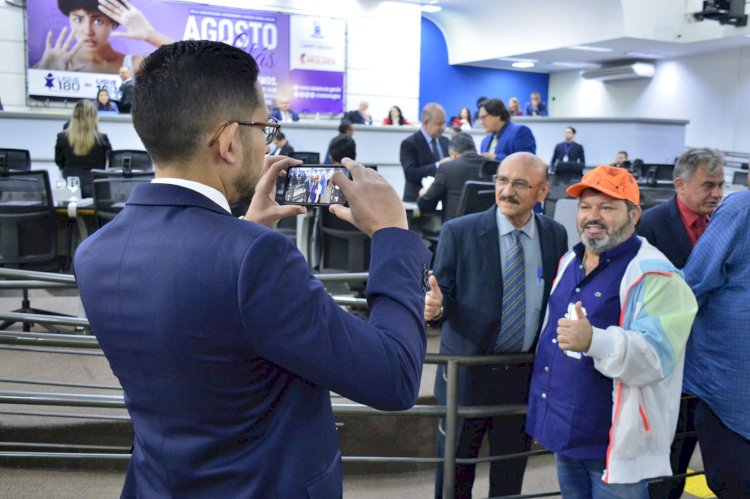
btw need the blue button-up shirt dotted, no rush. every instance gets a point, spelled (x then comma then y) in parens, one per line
(570, 402)
(717, 365)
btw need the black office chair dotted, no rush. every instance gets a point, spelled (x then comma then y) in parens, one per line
(344, 247)
(98, 173)
(657, 173)
(652, 195)
(566, 174)
(129, 160)
(477, 196)
(740, 178)
(15, 159)
(489, 168)
(28, 231)
(110, 195)
(308, 158)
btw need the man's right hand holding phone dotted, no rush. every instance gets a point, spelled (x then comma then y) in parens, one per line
(373, 203)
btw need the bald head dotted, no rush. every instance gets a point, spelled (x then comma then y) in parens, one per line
(125, 73)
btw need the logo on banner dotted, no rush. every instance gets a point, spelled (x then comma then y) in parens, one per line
(49, 81)
(317, 30)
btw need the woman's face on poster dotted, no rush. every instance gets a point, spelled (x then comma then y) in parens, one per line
(93, 29)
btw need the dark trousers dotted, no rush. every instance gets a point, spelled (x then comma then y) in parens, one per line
(726, 455)
(506, 436)
(680, 454)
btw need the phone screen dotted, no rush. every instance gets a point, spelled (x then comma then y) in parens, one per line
(311, 185)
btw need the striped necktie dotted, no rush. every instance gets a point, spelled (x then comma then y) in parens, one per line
(513, 321)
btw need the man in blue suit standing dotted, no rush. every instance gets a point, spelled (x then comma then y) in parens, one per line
(505, 137)
(226, 347)
(491, 301)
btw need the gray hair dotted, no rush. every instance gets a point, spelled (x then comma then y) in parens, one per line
(462, 143)
(430, 109)
(689, 162)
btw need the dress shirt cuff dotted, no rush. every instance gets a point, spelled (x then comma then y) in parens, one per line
(602, 344)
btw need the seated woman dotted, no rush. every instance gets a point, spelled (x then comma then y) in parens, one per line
(91, 25)
(395, 117)
(103, 102)
(463, 120)
(82, 147)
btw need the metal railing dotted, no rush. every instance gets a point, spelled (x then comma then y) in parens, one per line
(88, 345)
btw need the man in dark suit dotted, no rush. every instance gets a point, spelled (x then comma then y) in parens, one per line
(504, 137)
(360, 116)
(283, 112)
(450, 178)
(282, 147)
(423, 152)
(474, 283)
(674, 227)
(225, 346)
(126, 90)
(536, 107)
(568, 151)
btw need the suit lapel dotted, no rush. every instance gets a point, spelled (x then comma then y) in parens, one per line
(677, 227)
(489, 249)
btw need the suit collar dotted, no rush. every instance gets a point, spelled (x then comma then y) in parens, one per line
(203, 189)
(171, 195)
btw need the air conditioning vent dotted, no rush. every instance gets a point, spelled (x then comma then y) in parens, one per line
(621, 72)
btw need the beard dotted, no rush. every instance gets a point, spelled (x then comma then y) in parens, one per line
(607, 241)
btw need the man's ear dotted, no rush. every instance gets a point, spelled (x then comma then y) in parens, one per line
(227, 143)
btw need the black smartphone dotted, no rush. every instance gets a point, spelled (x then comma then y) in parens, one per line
(310, 185)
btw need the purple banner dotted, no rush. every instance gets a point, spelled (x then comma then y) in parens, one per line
(87, 46)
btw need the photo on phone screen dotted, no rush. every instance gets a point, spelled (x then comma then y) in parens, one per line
(311, 185)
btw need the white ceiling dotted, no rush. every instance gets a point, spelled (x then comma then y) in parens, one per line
(496, 33)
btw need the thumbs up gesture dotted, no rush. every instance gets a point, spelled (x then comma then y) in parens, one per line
(575, 333)
(433, 300)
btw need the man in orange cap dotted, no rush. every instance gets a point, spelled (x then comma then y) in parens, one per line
(607, 377)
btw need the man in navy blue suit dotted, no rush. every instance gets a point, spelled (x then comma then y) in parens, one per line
(674, 227)
(472, 283)
(226, 346)
(423, 152)
(504, 137)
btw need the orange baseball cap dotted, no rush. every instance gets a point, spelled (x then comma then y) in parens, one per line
(612, 181)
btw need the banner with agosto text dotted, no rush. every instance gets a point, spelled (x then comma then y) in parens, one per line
(76, 47)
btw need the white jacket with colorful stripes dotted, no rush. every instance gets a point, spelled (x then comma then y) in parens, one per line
(644, 355)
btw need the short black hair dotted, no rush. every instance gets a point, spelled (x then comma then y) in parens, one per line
(572, 129)
(481, 101)
(185, 90)
(495, 107)
(280, 135)
(342, 146)
(345, 126)
(463, 142)
(67, 6)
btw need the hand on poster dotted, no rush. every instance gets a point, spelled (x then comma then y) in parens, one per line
(60, 55)
(135, 23)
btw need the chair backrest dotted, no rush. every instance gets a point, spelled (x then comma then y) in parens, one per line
(308, 158)
(566, 213)
(651, 195)
(740, 178)
(121, 173)
(477, 196)
(489, 168)
(110, 195)
(566, 174)
(344, 247)
(28, 232)
(15, 159)
(129, 159)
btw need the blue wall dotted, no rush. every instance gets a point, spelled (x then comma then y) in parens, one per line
(459, 86)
